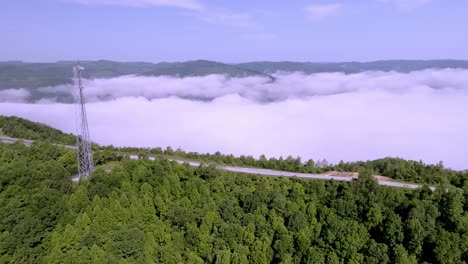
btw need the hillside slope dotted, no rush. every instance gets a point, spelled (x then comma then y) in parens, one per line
(200, 68)
(17, 127)
(33, 75)
(144, 211)
(15, 74)
(395, 168)
(404, 66)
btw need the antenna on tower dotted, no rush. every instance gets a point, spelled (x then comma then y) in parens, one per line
(83, 142)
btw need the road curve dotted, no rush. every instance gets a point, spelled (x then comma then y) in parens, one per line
(277, 173)
(256, 171)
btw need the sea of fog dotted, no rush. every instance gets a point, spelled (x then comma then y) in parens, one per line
(420, 115)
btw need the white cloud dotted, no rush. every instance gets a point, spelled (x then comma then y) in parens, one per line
(266, 12)
(263, 36)
(226, 18)
(194, 8)
(418, 115)
(14, 95)
(407, 4)
(260, 89)
(320, 11)
(185, 4)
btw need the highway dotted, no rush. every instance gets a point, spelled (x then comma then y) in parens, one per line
(13, 140)
(254, 171)
(276, 173)
(28, 142)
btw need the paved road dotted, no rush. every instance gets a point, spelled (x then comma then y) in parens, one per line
(13, 140)
(256, 171)
(267, 172)
(28, 142)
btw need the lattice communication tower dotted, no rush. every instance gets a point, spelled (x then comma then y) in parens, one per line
(83, 142)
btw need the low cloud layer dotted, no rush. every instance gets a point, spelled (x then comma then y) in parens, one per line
(407, 4)
(319, 11)
(14, 95)
(186, 4)
(261, 89)
(420, 115)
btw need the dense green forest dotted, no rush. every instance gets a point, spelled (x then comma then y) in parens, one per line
(21, 128)
(396, 168)
(144, 211)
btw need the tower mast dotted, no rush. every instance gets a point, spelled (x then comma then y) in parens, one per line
(83, 142)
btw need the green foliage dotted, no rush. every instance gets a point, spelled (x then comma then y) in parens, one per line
(34, 75)
(144, 211)
(396, 168)
(24, 129)
(200, 68)
(33, 184)
(352, 67)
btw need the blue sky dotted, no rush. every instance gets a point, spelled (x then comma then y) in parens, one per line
(233, 31)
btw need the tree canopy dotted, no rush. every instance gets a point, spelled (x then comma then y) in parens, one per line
(144, 211)
(18, 127)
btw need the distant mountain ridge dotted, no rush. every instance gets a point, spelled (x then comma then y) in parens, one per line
(16, 74)
(200, 68)
(33, 75)
(404, 66)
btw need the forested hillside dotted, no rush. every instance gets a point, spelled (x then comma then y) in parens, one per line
(396, 168)
(18, 127)
(143, 211)
(162, 212)
(404, 66)
(34, 75)
(17, 74)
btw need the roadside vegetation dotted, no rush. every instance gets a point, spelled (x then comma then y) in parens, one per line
(395, 168)
(18, 127)
(144, 211)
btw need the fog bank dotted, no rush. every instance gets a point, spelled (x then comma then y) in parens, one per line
(420, 116)
(260, 89)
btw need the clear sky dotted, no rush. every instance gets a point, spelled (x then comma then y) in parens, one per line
(233, 31)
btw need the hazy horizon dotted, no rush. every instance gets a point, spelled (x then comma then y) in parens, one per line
(233, 62)
(343, 113)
